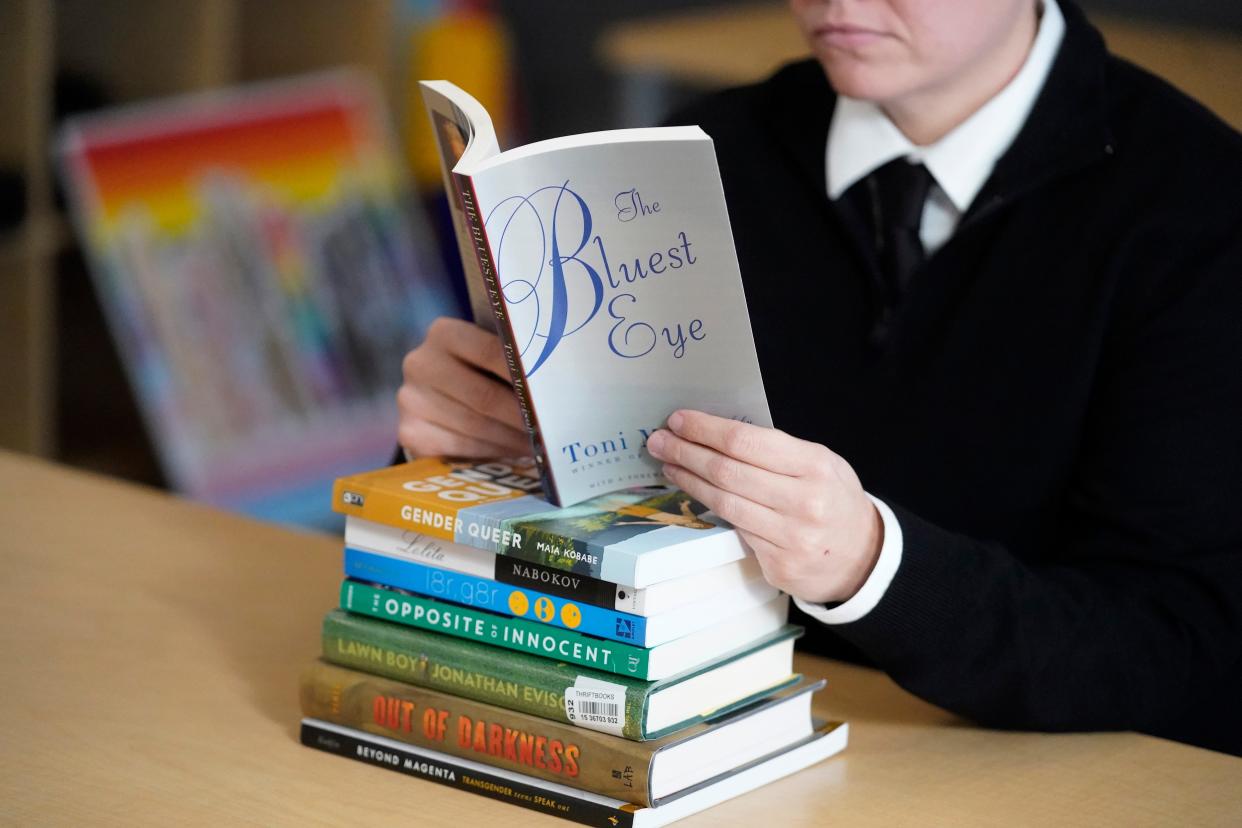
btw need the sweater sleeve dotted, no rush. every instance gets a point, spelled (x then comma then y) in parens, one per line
(1133, 616)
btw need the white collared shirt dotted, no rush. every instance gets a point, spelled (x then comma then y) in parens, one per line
(861, 139)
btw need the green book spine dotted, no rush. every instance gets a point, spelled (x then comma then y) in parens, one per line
(516, 681)
(496, 630)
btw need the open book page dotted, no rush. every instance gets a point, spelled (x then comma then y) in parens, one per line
(463, 129)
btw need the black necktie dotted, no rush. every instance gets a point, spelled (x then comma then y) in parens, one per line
(899, 191)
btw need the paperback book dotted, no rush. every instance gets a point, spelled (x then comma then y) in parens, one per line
(562, 801)
(666, 597)
(605, 262)
(636, 537)
(639, 772)
(490, 595)
(558, 690)
(650, 663)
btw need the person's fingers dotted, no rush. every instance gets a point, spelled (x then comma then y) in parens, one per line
(741, 512)
(421, 402)
(776, 491)
(759, 446)
(423, 438)
(472, 388)
(470, 344)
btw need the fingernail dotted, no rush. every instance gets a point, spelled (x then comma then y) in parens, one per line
(674, 420)
(656, 441)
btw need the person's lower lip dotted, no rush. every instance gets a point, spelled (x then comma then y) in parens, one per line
(847, 38)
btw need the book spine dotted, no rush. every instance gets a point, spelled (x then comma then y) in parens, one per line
(527, 575)
(487, 265)
(567, 755)
(496, 630)
(451, 774)
(490, 595)
(516, 681)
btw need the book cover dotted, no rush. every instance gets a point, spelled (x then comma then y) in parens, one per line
(260, 264)
(543, 687)
(571, 756)
(568, 803)
(637, 537)
(608, 264)
(665, 597)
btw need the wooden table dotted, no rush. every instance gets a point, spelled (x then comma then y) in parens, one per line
(151, 649)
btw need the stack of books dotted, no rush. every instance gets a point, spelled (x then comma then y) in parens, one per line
(617, 662)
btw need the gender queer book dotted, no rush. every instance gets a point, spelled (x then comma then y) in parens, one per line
(605, 262)
(639, 772)
(562, 801)
(636, 537)
(557, 690)
(665, 598)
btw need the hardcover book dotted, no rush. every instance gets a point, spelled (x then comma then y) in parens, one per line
(636, 537)
(667, 597)
(650, 663)
(562, 801)
(606, 264)
(643, 773)
(558, 690)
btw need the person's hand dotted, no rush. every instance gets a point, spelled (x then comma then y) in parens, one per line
(799, 506)
(453, 400)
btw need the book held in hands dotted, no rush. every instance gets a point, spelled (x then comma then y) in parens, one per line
(605, 262)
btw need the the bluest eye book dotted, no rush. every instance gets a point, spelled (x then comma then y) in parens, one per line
(606, 264)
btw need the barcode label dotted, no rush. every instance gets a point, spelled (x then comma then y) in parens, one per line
(599, 710)
(597, 705)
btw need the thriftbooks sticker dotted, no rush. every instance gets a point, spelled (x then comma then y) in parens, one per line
(598, 705)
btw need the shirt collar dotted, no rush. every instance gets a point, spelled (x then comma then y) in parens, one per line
(861, 138)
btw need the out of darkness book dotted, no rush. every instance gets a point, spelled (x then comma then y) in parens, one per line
(579, 758)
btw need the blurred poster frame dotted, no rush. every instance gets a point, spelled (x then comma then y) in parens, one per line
(263, 269)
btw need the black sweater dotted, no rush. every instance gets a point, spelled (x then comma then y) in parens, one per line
(1054, 414)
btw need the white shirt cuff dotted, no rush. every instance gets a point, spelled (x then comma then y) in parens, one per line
(877, 582)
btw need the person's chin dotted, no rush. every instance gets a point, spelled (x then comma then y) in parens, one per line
(854, 78)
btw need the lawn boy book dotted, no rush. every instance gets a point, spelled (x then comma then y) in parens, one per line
(666, 597)
(609, 272)
(649, 663)
(558, 690)
(639, 772)
(636, 537)
(583, 807)
(488, 594)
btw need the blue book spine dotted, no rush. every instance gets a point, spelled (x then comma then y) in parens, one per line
(493, 596)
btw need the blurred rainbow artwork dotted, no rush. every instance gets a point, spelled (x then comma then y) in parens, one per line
(263, 273)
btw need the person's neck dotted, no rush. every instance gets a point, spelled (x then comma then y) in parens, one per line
(927, 115)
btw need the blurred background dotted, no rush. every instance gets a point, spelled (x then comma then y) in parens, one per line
(116, 318)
